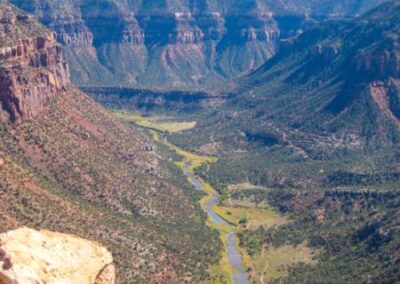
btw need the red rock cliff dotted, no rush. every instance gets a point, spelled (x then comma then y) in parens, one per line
(32, 72)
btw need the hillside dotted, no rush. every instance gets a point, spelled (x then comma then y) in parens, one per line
(314, 133)
(330, 8)
(175, 44)
(329, 99)
(67, 165)
(335, 73)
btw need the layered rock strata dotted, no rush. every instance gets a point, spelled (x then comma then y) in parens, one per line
(32, 70)
(139, 44)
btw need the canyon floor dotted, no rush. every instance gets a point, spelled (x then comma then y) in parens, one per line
(226, 215)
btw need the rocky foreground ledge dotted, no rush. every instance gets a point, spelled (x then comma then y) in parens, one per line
(29, 256)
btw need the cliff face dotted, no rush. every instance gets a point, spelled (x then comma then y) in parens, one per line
(333, 8)
(176, 44)
(168, 43)
(29, 256)
(381, 62)
(32, 69)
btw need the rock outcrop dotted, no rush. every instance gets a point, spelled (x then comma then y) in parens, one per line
(32, 68)
(326, 52)
(380, 63)
(175, 44)
(71, 30)
(140, 44)
(29, 256)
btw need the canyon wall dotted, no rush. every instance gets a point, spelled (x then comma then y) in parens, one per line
(32, 68)
(162, 44)
(178, 44)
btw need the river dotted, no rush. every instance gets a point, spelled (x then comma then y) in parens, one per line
(235, 258)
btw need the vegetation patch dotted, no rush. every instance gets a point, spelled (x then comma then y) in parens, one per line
(243, 186)
(249, 218)
(273, 263)
(154, 123)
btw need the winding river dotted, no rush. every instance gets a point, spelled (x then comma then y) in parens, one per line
(239, 275)
(235, 258)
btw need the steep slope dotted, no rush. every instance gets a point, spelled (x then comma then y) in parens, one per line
(339, 77)
(162, 43)
(328, 99)
(176, 44)
(67, 165)
(330, 8)
(33, 70)
(330, 90)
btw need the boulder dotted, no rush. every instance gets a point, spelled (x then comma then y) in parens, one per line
(29, 256)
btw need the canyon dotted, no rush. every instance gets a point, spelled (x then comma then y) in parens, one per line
(114, 43)
(68, 165)
(176, 44)
(220, 141)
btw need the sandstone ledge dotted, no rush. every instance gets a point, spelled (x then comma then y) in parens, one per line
(30, 256)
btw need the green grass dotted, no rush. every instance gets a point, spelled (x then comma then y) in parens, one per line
(154, 124)
(250, 218)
